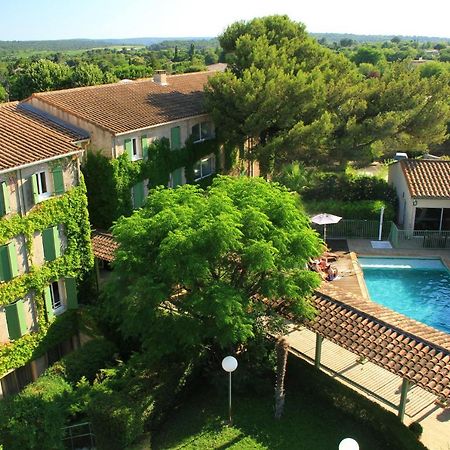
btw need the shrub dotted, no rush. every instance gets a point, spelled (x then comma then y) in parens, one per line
(34, 418)
(416, 428)
(357, 210)
(346, 187)
(86, 361)
(117, 422)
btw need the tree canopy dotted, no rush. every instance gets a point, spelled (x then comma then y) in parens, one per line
(207, 267)
(298, 100)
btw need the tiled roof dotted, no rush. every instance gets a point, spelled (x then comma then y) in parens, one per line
(26, 137)
(127, 106)
(104, 245)
(427, 178)
(401, 345)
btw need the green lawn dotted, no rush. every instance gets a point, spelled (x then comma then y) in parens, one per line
(307, 424)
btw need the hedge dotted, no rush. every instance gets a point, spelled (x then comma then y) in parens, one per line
(34, 418)
(352, 188)
(356, 210)
(86, 361)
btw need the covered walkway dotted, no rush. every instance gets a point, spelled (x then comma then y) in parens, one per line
(397, 361)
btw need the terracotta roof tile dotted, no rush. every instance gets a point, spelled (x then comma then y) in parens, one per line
(401, 345)
(103, 245)
(122, 107)
(26, 137)
(427, 178)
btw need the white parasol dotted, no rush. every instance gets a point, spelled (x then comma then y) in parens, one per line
(325, 219)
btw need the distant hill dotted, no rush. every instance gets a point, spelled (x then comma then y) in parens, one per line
(336, 37)
(157, 43)
(83, 44)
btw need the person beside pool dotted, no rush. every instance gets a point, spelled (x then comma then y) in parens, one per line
(331, 273)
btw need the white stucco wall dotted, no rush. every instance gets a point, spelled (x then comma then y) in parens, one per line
(407, 210)
(162, 131)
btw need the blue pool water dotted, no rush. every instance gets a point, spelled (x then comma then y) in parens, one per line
(417, 288)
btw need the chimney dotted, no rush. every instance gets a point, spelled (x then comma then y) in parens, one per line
(160, 77)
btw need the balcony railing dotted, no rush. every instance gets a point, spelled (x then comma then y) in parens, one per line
(369, 229)
(418, 238)
(355, 229)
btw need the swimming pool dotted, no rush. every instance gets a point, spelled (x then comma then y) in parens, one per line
(417, 288)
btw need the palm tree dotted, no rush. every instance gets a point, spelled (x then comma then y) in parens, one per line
(282, 348)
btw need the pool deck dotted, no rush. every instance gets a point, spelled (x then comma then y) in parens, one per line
(369, 379)
(363, 247)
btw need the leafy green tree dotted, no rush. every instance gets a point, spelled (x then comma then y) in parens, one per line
(346, 42)
(3, 94)
(39, 76)
(200, 267)
(299, 101)
(370, 55)
(86, 75)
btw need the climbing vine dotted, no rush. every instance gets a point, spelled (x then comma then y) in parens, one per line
(69, 209)
(109, 182)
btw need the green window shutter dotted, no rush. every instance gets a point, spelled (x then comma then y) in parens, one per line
(58, 180)
(48, 302)
(51, 248)
(177, 177)
(34, 189)
(15, 318)
(128, 148)
(175, 138)
(5, 270)
(4, 199)
(71, 292)
(145, 142)
(138, 195)
(12, 258)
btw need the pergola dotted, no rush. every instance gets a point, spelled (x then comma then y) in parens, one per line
(417, 353)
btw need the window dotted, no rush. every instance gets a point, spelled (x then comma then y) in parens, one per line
(202, 131)
(131, 148)
(55, 296)
(60, 295)
(42, 184)
(39, 187)
(205, 167)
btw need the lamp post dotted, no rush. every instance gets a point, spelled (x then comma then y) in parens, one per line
(229, 364)
(348, 444)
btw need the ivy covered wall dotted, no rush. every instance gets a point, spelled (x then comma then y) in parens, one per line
(69, 209)
(109, 181)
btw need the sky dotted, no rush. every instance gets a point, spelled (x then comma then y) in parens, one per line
(98, 19)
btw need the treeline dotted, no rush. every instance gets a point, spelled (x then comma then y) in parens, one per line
(361, 38)
(21, 76)
(392, 50)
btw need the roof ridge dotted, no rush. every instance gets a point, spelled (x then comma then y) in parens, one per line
(117, 83)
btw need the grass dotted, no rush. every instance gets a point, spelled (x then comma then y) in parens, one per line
(308, 423)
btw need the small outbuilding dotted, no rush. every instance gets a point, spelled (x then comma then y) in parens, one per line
(423, 191)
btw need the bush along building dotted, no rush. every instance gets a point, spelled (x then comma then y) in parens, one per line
(141, 134)
(44, 242)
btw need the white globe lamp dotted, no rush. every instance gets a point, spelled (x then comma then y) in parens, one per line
(348, 444)
(229, 364)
